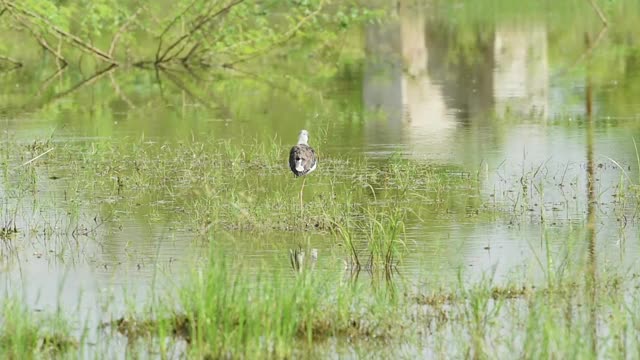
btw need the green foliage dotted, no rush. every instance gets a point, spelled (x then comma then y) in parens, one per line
(199, 32)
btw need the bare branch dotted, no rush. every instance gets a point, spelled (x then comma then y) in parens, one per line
(159, 80)
(39, 102)
(599, 12)
(59, 51)
(41, 40)
(190, 53)
(169, 26)
(177, 53)
(65, 35)
(119, 92)
(116, 36)
(90, 80)
(163, 57)
(15, 63)
(203, 20)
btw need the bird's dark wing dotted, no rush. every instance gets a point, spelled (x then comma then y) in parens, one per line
(306, 154)
(292, 159)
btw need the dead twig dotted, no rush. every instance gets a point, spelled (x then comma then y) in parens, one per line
(185, 59)
(15, 63)
(599, 12)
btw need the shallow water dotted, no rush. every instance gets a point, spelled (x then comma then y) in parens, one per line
(516, 105)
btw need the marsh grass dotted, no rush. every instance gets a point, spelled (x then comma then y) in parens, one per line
(25, 336)
(375, 242)
(385, 239)
(555, 321)
(226, 312)
(229, 186)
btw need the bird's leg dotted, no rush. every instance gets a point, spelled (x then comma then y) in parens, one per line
(301, 193)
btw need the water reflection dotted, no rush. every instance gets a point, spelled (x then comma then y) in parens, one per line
(592, 201)
(443, 93)
(521, 71)
(431, 90)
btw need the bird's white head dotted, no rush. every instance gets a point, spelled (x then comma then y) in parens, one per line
(303, 138)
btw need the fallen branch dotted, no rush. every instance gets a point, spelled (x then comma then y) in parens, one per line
(90, 80)
(65, 35)
(39, 102)
(41, 40)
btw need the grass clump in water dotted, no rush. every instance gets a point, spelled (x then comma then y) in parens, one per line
(273, 315)
(378, 235)
(226, 313)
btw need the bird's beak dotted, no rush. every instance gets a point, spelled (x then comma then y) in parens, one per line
(299, 166)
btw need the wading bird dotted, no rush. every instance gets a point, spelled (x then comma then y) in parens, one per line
(302, 159)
